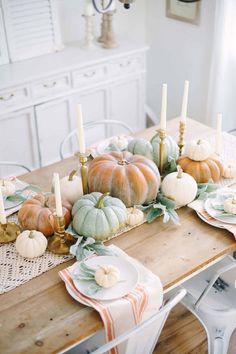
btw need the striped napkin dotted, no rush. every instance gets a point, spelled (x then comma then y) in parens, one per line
(122, 314)
(198, 205)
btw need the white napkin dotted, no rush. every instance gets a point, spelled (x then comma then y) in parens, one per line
(121, 315)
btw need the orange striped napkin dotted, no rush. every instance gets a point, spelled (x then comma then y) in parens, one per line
(198, 205)
(122, 314)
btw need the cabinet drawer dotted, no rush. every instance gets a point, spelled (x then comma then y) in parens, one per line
(84, 77)
(126, 65)
(13, 96)
(50, 86)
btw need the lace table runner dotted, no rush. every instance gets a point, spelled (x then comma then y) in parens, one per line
(16, 270)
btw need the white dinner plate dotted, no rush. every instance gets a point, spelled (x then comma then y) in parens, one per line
(128, 278)
(74, 297)
(213, 222)
(227, 219)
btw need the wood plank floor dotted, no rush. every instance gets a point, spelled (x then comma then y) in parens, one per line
(183, 334)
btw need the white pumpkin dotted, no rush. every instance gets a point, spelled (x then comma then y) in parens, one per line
(31, 244)
(180, 187)
(229, 170)
(198, 150)
(8, 188)
(107, 276)
(134, 216)
(120, 141)
(230, 205)
(71, 187)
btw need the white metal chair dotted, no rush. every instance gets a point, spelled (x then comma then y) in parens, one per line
(149, 329)
(211, 298)
(105, 122)
(13, 164)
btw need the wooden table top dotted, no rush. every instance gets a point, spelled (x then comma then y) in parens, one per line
(41, 317)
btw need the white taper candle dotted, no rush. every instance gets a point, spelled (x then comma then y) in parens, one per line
(57, 191)
(3, 219)
(80, 131)
(218, 134)
(163, 107)
(185, 102)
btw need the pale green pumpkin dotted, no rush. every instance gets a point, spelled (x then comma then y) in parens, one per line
(141, 147)
(170, 150)
(98, 215)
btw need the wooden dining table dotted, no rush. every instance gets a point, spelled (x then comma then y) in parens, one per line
(41, 317)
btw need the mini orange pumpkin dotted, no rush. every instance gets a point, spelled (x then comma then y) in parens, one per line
(37, 213)
(134, 179)
(202, 171)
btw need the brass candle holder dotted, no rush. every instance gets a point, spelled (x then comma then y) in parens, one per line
(58, 243)
(9, 232)
(83, 158)
(181, 143)
(162, 135)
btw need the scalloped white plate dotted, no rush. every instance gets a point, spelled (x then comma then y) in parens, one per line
(128, 275)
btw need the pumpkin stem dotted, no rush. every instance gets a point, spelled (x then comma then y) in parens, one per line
(100, 202)
(180, 172)
(31, 234)
(123, 162)
(72, 174)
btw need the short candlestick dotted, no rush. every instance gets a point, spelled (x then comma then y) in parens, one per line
(58, 243)
(181, 143)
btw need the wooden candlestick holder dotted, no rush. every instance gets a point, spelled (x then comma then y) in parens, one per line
(109, 41)
(89, 36)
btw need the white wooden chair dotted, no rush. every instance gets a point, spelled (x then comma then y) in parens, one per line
(106, 123)
(149, 330)
(211, 297)
(13, 166)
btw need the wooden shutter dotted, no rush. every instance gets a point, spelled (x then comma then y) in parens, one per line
(32, 28)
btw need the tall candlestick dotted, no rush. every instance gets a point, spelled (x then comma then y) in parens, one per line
(88, 8)
(185, 102)
(80, 131)
(57, 191)
(163, 107)
(218, 133)
(3, 219)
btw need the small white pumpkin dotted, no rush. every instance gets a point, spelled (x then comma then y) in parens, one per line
(31, 244)
(107, 276)
(230, 205)
(229, 170)
(71, 187)
(120, 141)
(180, 187)
(8, 188)
(198, 150)
(134, 216)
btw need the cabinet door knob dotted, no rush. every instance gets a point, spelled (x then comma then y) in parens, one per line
(124, 65)
(8, 98)
(53, 84)
(90, 74)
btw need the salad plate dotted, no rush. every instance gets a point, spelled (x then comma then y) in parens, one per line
(128, 278)
(214, 207)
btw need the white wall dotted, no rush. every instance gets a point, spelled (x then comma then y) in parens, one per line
(179, 51)
(128, 23)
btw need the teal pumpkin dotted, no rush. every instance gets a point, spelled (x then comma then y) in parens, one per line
(141, 147)
(170, 150)
(98, 215)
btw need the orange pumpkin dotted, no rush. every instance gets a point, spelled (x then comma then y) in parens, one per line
(134, 179)
(202, 171)
(37, 213)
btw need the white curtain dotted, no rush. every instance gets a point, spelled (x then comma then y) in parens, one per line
(222, 84)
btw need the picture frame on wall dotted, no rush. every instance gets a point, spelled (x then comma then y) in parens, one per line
(182, 11)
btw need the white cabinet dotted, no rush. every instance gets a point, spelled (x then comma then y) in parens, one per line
(19, 139)
(53, 121)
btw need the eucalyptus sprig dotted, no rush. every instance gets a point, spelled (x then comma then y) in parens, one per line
(161, 206)
(18, 195)
(85, 273)
(204, 189)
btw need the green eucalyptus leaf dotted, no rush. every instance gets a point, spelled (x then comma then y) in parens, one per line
(15, 198)
(174, 217)
(153, 214)
(170, 204)
(93, 288)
